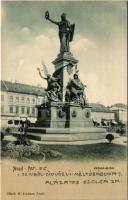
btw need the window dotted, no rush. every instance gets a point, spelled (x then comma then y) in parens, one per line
(28, 110)
(87, 114)
(11, 109)
(17, 99)
(39, 113)
(33, 101)
(39, 100)
(22, 99)
(33, 111)
(28, 100)
(11, 98)
(2, 109)
(17, 109)
(2, 97)
(22, 110)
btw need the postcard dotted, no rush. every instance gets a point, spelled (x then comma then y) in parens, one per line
(63, 100)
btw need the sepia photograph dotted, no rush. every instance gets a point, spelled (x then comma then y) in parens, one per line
(64, 100)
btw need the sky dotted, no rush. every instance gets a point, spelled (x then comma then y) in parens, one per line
(99, 44)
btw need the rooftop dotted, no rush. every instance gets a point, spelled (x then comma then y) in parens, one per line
(22, 88)
(119, 105)
(96, 107)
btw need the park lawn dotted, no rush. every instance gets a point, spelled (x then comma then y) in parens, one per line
(99, 151)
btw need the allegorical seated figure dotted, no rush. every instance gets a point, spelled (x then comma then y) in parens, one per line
(53, 88)
(75, 91)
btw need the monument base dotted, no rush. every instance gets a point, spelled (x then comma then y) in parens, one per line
(63, 115)
(65, 134)
(64, 122)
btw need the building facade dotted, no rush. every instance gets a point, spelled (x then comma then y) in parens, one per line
(99, 112)
(19, 101)
(120, 112)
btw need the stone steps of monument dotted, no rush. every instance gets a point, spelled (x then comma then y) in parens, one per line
(65, 137)
(65, 130)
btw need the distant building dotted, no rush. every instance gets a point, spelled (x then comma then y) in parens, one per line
(99, 112)
(120, 112)
(19, 100)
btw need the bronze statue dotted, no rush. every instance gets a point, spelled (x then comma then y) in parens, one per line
(66, 31)
(75, 91)
(53, 89)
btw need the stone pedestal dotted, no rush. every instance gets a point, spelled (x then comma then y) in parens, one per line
(63, 115)
(64, 69)
(49, 115)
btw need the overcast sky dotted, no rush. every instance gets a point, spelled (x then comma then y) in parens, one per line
(99, 44)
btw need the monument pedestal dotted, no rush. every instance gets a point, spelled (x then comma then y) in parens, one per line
(69, 122)
(63, 115)
(64, 69)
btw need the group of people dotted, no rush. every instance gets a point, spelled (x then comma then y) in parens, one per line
(104, 123)
(74, 90)
(111, 126)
